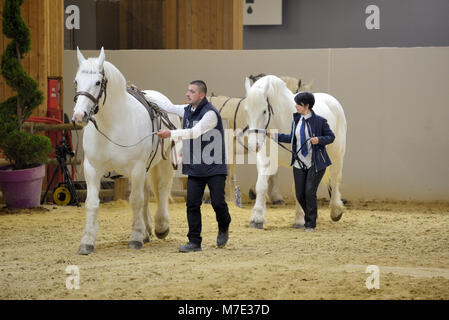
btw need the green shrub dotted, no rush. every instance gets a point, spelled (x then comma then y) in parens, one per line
(22, 149)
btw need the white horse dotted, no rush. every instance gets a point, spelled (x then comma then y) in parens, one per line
(270, 90)
(121, 138)
(294, 85)
(232, 109)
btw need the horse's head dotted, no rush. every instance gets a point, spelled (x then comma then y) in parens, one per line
(90, 84)
(258, 113)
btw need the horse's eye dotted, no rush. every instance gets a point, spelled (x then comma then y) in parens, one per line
(98, 83)
(76, 83)
(265, 112)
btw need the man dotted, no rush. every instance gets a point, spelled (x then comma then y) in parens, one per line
(204, 162)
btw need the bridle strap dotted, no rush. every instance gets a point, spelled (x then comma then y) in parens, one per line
(103, 87)
(247, 129)
(86, 94)
(270, 112)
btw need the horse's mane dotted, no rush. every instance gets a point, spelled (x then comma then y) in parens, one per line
(114, 76)
(275, 89)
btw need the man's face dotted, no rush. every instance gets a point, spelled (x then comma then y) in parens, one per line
(194, 96)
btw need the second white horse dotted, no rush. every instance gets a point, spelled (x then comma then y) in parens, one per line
(270, 105)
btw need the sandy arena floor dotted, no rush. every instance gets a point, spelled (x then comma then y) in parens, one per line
(409, 242)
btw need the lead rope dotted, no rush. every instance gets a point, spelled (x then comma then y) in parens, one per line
(115, 143)
(294, 153)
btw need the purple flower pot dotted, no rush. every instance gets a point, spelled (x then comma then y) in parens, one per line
(22, 188)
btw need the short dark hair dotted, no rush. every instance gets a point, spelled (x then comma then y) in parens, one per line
(201, 85)
(304, 98)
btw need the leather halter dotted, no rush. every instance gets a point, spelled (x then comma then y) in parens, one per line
(239, 135)
(246, 129)
(270, 113)
(103, 87)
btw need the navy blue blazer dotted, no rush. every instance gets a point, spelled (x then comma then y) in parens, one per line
(318, 127)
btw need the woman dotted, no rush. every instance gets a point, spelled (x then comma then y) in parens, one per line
(309, 136)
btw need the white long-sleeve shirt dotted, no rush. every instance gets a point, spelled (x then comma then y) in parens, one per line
(207, 123)
(307, 160)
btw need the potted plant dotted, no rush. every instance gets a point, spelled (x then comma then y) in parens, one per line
(21, 182)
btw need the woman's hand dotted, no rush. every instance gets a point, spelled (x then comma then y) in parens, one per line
(314, 140)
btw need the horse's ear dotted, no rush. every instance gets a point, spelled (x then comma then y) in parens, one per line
(80, 55)
(247, 85)
(101, 57)
(309, 86)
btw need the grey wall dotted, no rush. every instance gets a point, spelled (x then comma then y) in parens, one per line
(341, 24)
(85, 37)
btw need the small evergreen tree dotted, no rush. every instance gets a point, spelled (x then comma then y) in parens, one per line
(21, 148)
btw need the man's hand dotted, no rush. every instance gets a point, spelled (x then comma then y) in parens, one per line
(314, 140)
(164, 134)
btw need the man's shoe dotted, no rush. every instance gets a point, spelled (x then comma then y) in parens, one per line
(190, 247)
(309, 229)
(222, 238)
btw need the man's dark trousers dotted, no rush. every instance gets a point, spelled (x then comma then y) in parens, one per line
(195, 192)
(306, 186)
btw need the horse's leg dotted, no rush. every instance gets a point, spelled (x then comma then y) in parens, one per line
(162, 178)
(136, 199)
(147, 214)
(93, 178)
(258, 213)
(299, 213)
(273, 190)
(335, 176)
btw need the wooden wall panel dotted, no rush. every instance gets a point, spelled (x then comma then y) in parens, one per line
(237, 25)
(227, 24)
(210, 24)
(40, 35)
(184, 32)
(181, 24)
(170, 24)
(141, 24)
(45, 19)
(56, 42)
(108, 25)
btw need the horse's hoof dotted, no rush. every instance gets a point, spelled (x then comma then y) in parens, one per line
(256, 225)
(337, 218)
(146, 240)
(279, 202)
(162, 235)
(252, 194)
(298, 226)
(344, 201)
(85, 249)
(135, 245)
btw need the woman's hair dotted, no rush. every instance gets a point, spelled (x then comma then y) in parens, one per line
(304, 98)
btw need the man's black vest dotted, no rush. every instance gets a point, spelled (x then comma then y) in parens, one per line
(205, 155)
